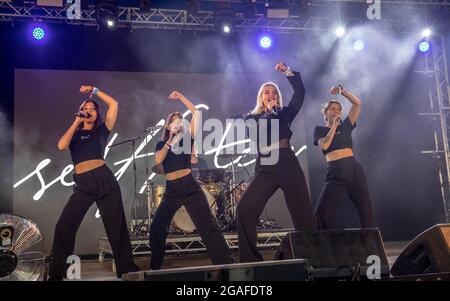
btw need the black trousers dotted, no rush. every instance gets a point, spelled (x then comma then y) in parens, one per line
(287, 175)
(344, 175)
(186, 192)
(100, 186)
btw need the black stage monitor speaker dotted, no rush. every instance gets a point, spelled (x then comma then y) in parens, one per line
(203, 273)
(278, 270)
(428, 253)
(286, 270)
(347, 253)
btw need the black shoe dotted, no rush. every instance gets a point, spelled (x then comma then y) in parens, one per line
(52, 278)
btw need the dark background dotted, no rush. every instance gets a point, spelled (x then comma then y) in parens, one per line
(387, 141)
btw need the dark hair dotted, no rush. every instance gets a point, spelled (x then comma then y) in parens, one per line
(98, 121)
(166, 132)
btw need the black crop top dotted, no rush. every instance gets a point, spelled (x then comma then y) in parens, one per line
(175, 161)
(342, 138)
(89, 144)
(286, 114)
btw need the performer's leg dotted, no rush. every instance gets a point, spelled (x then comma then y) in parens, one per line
(205, 223)
(296, 193)
(65, 232)
(359, 193)
(113, 216)
(249, 208)
(159, 229)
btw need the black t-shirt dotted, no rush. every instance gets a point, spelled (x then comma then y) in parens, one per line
(342, 138)
(89, 144)
(286, 114)
(176, 160)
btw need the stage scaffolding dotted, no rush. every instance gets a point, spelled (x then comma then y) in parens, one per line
(439, 100)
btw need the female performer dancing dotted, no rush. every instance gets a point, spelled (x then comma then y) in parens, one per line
(286, 173)
(86, 138)
(183, 190)
(344, 173)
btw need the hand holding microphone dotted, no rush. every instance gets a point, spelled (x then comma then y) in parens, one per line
(83, 114)
(272, 105)
(337, 119)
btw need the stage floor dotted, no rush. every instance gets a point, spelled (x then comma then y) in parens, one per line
(93, 270)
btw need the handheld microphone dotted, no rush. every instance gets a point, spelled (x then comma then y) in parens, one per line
(83, 115)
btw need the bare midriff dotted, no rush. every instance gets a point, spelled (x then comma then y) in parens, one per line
(339, 154)
(178, 174)
(88, 165)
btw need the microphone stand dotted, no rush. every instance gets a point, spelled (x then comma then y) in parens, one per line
(135, 200)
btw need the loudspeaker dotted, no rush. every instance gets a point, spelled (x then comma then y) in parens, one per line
(286, 270)
(348, 253)
(203, 273)
(279, 270)
(428, 253)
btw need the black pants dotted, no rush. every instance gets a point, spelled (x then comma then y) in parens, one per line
(287, 175)
(100, 186)
(186, 192)
(344, 175)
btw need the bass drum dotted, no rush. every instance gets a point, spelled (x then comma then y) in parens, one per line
(183, 223)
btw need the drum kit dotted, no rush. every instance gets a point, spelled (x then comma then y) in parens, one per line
(221, 193)
(219, 186)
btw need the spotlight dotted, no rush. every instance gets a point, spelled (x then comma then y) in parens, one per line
(427, 32)
(265, 41)
(226, 28)
(358, 45)
(224, 20)
(106, 14)
(340, 31)
(38, 33)
(424, 46)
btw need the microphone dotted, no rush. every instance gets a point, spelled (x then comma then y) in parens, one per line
(83, 115)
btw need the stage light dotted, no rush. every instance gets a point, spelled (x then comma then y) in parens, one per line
(226, 28)
(339, 31)
(224, 20)
(110, 23)
(38, 33)
(106, 14)
(424, 46)
(427, 32)
(358, 45)
(265, 42)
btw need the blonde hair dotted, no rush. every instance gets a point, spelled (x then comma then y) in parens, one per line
(259, 103)
(326, 106)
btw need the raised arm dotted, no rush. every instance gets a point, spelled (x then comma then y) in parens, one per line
(65, 139)
(162, 153)
(325, 142)
(355, 110)
(296, 82)
(113, 105)
(175, 95)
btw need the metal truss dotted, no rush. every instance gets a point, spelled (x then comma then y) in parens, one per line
(192, 243)
(439, 100)
(134, 18)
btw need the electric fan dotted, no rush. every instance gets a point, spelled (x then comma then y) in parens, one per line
(22, 251)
